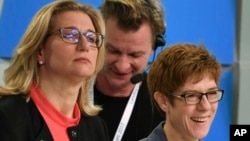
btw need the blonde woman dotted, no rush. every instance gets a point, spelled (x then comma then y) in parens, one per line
(47, 82)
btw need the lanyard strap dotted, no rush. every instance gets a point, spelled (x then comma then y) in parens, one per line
(126, 114)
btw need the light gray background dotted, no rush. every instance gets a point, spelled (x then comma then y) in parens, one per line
(242, 83)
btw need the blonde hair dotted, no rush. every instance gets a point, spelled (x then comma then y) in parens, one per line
(23, 70)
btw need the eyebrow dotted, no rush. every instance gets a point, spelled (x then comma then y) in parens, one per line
(210, 89)
(73, 27)
(110, 46)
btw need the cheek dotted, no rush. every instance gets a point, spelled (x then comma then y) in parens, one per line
(49, 53)
(110, 58)
(182, 111)
(57, 50)
(178, 116)
(142, 62)
(59, 56)
(214, 108)
(93, 57)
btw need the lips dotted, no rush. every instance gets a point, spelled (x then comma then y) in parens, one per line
(82, 59)
(200, 119)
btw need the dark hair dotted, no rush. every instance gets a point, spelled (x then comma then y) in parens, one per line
(130, 15)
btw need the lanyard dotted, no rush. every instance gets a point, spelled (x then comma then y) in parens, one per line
(126, 114)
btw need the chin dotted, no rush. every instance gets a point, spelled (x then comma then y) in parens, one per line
(118, 82)
(201, 134)
(85, 74)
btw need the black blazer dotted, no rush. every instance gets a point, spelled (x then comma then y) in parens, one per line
(21, 121)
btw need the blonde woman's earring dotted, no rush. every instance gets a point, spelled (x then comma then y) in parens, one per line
(40, 62)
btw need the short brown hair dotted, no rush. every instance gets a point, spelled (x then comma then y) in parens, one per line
(177, 64)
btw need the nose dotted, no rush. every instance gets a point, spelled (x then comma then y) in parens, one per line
(83, 44)
(123, 64)
(204, 103)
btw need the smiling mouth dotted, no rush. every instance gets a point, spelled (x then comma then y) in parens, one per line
(199, 119)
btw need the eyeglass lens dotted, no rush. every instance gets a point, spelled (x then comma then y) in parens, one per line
(73, 36)
(212, 96)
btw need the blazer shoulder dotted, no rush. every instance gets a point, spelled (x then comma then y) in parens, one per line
(10, 104)
(13, 99)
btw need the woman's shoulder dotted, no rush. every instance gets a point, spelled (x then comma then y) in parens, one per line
(12, 100)
(16, 119)
(12, 106)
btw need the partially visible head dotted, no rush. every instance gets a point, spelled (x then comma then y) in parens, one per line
(24, 68)
(131, 14)
(131, 29)
(181, 69)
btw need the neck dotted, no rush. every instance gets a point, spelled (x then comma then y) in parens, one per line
(62, 97)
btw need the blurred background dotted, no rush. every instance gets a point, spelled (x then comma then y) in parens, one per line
(221, 25)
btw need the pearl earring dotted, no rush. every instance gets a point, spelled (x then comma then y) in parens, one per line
(40, 62)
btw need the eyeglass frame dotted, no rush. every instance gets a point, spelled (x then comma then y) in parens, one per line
(99, 35)
(184, 95)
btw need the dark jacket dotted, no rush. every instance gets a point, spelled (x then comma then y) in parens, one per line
(157, 134)
(21, 121)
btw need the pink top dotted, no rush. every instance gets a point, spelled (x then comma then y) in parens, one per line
(56, 121)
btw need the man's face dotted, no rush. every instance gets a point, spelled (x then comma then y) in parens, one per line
(127, 52)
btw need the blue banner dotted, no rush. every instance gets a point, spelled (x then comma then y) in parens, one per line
(15, 15)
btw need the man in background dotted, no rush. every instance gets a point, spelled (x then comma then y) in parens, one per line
(134, 29)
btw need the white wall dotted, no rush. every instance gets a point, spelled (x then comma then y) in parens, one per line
(3, 64)
(243, 93)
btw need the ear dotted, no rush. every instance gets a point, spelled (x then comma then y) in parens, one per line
(40, 56)
(162, 101)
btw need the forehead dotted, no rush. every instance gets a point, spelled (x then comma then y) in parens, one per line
(202, 83)
(76, 19)
(125, 38)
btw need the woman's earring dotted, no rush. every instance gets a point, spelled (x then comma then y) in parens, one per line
(40, 62)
